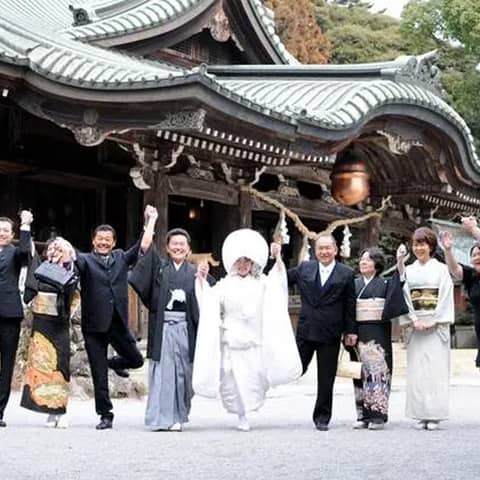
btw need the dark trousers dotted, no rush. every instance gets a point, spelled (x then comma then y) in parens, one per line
(9, 336)
(96, 344)
(327, 357)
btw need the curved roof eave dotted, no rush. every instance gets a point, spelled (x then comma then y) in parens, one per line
(117, 22)
(334, 116)
(138, 21)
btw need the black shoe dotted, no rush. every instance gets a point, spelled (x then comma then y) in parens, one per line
(122, 372)
(105, 423)
(2, 423)
(323, 427)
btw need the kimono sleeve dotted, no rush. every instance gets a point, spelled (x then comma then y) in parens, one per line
(206, 363)
(395, 304)
(445, 311)
(131, 255)
(350, 307)
(144, 274)
(280, 353)
(31, 283)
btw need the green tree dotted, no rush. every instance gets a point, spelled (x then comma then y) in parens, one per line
(356, 34)
(452, 27)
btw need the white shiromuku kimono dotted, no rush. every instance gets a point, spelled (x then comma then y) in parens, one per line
(429, 294)
(245, 342)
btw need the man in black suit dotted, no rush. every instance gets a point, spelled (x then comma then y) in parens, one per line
(327, 291)
(104, 294)
(11, 310)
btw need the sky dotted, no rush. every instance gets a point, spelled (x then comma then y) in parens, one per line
(394, 7)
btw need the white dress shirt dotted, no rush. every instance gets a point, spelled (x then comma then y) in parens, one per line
(325, 272)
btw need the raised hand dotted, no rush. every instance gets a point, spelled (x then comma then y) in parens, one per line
(150, 213)
(401, 253)
(447, 241)
(275, 249)
(26, 217)
(202, 270)
(469, 224)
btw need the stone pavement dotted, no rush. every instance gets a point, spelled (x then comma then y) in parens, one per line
(282, 444)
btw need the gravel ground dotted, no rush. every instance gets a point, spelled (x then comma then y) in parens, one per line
(282, 444)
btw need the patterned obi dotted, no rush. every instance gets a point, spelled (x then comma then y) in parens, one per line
(370, 309)
(45, 303)
(171, 317)
(424, 298)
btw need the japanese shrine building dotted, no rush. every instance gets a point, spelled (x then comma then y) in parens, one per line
(112, 103)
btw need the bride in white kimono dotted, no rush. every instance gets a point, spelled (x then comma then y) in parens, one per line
(245, 342)
(429, 294)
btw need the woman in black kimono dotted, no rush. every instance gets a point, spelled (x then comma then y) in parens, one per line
(47, 373)
(378, 301)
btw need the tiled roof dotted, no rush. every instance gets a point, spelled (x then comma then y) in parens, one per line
(74, 63)
(113, 18)
(332, 98)
(117, 17)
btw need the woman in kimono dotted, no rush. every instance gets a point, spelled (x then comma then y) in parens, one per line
(166, 286)
(378, 301)
(245, 343)
(429, 294)
(47, 372)
(468, 275)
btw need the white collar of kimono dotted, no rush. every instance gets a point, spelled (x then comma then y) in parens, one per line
(244, 243)
(366, 280)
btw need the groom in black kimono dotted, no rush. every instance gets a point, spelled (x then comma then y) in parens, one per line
(327, 291)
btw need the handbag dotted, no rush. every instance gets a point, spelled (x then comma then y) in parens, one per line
(54, 275)
(347, 368)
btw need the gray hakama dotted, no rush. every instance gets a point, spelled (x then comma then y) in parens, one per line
(168, 291)
(170, 379)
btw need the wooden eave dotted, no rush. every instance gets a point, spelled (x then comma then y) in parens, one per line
(140, 111)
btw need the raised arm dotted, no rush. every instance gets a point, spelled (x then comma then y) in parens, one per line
(151, 216)
(23, 251)
(447, 242)
(401, 258)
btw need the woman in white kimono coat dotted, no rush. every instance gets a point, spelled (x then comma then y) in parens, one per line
(429, 293)
(245, 341)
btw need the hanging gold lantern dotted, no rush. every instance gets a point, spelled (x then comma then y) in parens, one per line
(350, 181)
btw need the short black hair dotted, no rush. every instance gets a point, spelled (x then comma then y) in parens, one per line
(178, 231)
(378, 258)
(104, 228)
(8, 220)
(474, 246)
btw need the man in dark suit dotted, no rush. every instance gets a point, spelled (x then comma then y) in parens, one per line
(11, 310)
(327, 292)
(104, 294)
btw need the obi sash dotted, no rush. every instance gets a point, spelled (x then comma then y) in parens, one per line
(424, 298)
(45, 303)
(370, 309)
